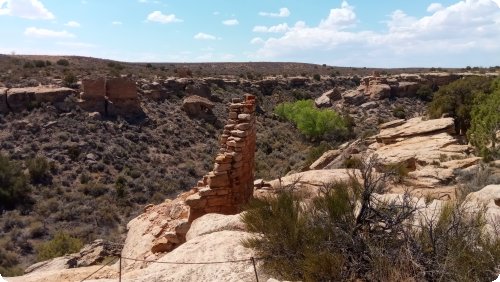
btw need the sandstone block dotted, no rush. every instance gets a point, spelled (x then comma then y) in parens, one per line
(217, 201)
(220, 180)
(239, 133)
(94, 88)
(243, 126)
(120, 89)
(246, 117)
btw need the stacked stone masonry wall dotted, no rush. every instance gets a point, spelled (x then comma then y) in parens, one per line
(111, 96)
(230, 184)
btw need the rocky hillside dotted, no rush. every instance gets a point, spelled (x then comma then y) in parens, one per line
(102, 159)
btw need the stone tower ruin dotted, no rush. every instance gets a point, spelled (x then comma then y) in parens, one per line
(230, 184)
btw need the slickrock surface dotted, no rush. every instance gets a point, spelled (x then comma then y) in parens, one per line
(414, 127)
(307, 183)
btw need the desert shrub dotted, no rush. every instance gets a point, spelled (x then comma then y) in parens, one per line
(39, 63)
(300, 94)
(399, 112)
(485, 123)
(425, 93)
(311, 122)
(14, 187)
(60, 245)
(9, 263)
(63, 62)
(316, 152)
(457, 98)
(317, 77)
(94, 189)
(349, 234)
(70, 80)
(28, 65)
(120, 186)
(38, 168)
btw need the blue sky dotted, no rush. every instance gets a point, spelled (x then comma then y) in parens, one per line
(385, 33)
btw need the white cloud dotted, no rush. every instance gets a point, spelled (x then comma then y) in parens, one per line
(280, 28)
(28, 9)
(257, 40)
(72, 24)
(216, 13)
(450, 35)
(204, 36)
(231, 22)
(116, 23)
(434, 7)
(340, 17)
(158, 16)
(47, 33)
(283, 13)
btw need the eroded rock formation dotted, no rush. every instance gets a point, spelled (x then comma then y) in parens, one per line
(19, 99)
(230, 184)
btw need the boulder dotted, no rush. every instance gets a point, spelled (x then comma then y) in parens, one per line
(415, 127)
(489, 196)
(407, 89)
(298, 81)
(378, 91)
(325, 159)
(354, 97)
(323, 101)
(197, 106)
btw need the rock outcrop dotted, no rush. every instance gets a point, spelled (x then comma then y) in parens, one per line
(230, 184)
(394, 131)
(19, 99)
(197, 106)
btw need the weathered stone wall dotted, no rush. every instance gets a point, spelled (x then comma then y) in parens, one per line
(230, 184)
(120, 89)
(94, 88)
(111, 97)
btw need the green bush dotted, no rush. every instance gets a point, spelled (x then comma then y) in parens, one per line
(310, 121)
(399, 112)
(317, 77)
(60, 245)
(457, 98)
(485, 123)
(425, 93)
(14, 187)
